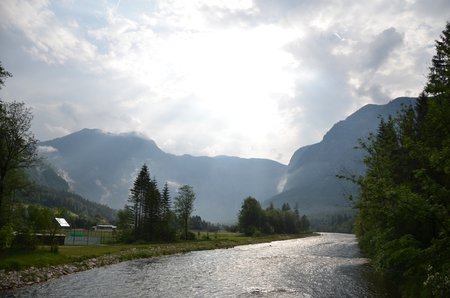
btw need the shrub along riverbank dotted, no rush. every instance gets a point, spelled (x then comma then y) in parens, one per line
(18, 269)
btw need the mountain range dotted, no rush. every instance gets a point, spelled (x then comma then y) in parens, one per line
(101, 167)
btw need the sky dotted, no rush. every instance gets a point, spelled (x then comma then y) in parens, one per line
(255, 79)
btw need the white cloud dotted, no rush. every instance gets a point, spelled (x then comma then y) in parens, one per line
(50, 40)
(64, 175)
(46, 149)
(106, 193)
(247, 78)
(282, 184)
(173, 185)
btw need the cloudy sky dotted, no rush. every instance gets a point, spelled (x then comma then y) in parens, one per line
(214, 77)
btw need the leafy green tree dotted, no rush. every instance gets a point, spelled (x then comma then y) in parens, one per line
(17, 149)
(184, 206)
(250, 216)
(304, 224)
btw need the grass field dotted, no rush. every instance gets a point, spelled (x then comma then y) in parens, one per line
(19, 260)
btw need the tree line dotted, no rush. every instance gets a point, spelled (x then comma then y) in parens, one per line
(253, 219)
(403, 222)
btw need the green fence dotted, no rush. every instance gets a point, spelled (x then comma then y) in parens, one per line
(89, 237)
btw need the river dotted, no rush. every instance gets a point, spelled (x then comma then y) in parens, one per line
(329, 265)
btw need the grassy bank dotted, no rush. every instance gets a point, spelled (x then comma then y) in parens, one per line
(42, 257)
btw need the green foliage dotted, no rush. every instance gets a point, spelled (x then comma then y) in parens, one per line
(30, 226)
(88, 213)
(145, 206)
(250, 216)
(17, 152)
(189, 236)
(404, 208)
(198, 224)
(19, 259)
(336, 222)
(6, 236)
(437, 270)
(253, 220)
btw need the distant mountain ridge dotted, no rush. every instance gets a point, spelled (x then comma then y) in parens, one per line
(310, 180)
(102, 166)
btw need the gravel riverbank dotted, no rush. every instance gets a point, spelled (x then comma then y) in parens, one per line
(17, 279)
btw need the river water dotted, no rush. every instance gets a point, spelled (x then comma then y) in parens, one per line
(329, 265)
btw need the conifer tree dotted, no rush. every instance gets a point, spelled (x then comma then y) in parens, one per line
(137, 200)
(165, 201)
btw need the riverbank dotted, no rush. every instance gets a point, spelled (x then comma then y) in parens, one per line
(76, 259)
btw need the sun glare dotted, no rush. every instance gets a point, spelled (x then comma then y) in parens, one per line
(237, 75)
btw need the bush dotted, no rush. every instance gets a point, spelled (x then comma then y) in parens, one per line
(190, 236)
(126, 236)
(24, 240)
(6, 236)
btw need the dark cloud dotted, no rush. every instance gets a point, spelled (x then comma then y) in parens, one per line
(69, 112)
(432, 9)
(327, 94)
(381, 47)
(375, 92)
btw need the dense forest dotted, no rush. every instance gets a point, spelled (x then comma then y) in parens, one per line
(404, 201)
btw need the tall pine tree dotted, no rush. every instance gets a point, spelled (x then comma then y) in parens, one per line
(145, 200)
(138, 200)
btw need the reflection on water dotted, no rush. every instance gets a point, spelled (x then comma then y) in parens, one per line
(325, 266)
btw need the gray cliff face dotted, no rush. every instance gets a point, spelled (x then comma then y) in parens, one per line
(311, 180)
(102, 167)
